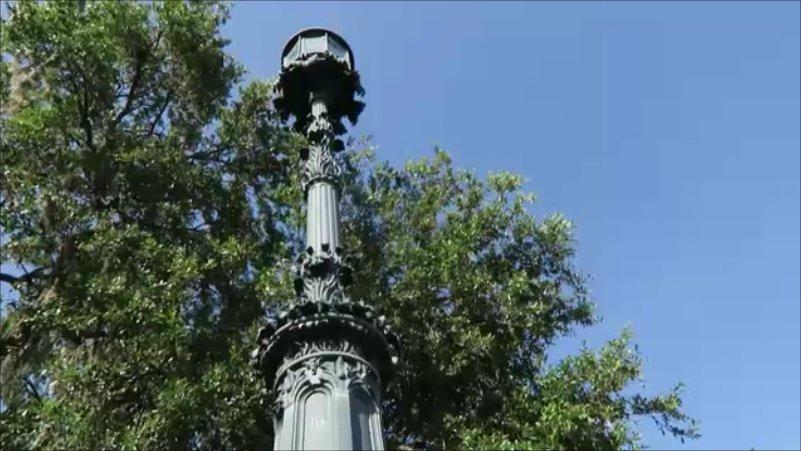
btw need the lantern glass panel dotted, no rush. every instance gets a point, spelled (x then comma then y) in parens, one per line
(314, 44)
(294, 53)
(337, 50)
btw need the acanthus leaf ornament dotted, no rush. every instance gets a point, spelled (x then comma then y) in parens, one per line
(318, 165)
(317, 161)
(320, 275)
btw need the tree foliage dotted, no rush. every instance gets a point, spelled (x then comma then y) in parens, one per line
(148, 215)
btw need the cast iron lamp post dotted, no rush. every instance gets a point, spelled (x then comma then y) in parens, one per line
(326, 357)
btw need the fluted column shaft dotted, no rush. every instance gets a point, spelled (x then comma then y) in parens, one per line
(322, 213)
(322, 216)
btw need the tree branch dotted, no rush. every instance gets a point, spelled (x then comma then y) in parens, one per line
(77, 337)
(30, 388)
(140, 61)
(160, 113)
(86, 124)
(26, 278)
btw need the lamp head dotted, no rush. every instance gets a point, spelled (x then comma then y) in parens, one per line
(318, 63)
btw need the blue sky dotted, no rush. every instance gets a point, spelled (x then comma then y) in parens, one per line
(669, 132)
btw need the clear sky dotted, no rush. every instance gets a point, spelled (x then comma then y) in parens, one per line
(669, 132)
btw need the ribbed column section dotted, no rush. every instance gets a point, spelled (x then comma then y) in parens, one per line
(322, 216)
(328, 401)
(318, 107)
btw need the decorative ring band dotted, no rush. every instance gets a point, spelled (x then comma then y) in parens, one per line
(284, 368)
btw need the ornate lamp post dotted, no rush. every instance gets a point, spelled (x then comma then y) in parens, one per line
(326, 357)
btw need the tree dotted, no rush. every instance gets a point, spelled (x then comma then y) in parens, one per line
(148, 218)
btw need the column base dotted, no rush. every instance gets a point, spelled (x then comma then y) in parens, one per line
(327, 396)
(327, 364)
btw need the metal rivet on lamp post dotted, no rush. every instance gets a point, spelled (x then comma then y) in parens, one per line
(326, 358)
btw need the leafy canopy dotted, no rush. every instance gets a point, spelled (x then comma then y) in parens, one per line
(148, 216)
